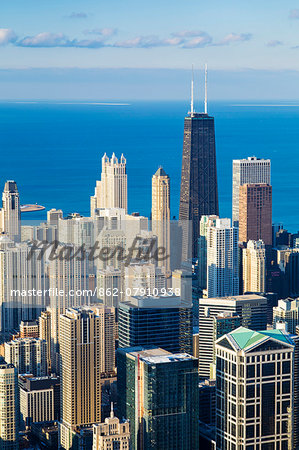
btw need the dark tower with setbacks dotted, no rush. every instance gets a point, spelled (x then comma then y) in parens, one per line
(199, 192)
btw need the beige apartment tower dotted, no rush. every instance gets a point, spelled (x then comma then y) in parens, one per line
(80, 349)
(254, 267)
(45, 333)
(255, 213)
(9, 421)
(111, 190)
(10, 214)
(107, 339)
(161, 213)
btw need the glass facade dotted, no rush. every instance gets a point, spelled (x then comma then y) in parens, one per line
(160, 398)
(199, 192)
(168, 328)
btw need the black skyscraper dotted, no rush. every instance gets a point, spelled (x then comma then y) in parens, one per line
(199, 193)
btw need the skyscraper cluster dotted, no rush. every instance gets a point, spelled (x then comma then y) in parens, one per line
(120, 331)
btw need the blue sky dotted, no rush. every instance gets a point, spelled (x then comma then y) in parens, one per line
(232, 36)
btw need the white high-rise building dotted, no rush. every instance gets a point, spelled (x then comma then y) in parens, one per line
(112, 245)
(109, 286)
(10, 213)
(53, 215)
(21, 272)
(254, 267)
(77, 230)
(28, 232)
(9, 407)
(42, 232)
(28, 355)
(248, 171)
(161, 213)
(108, 218)
(68, 287)
(252, 309)
(46, 232)
(222, 259)
(287, 311)
(143, 279)
(134, 227)
(115, 219)
(111, 190)
(205, 222)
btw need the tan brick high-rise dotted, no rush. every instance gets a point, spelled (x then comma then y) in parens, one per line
(161, 213)
(80, 350)
(255, 213)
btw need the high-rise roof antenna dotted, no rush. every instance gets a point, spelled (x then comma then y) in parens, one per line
(192, 89)
(206, 88)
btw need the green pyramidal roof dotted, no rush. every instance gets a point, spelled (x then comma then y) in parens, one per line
(246, 338)
(278, 334)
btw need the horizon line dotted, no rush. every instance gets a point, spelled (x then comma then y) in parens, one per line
(128, 102)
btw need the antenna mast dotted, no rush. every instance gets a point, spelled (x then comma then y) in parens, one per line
(206, 88)
(192, 97)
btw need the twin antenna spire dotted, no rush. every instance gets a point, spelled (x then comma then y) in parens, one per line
(206, 90)
(192, 89)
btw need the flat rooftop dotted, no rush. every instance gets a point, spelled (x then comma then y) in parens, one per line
(235, 298)
(161, 301)
(159, 355)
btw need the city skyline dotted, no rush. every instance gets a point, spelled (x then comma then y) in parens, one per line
(149, 252)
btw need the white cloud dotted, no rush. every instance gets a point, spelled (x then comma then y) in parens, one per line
(6, 36)
(77, 15)
(103, 38)
(102, 31)
(44, 40)
(234, 37)
(274, 43)
(87, 43)
(294, 14)
(200, 41)
(186, 33)
(173, 41)
(140, 42)
(177, 40)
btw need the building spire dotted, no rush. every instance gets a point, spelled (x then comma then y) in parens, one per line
(111, 411)
(206, 88)
(192, 96)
